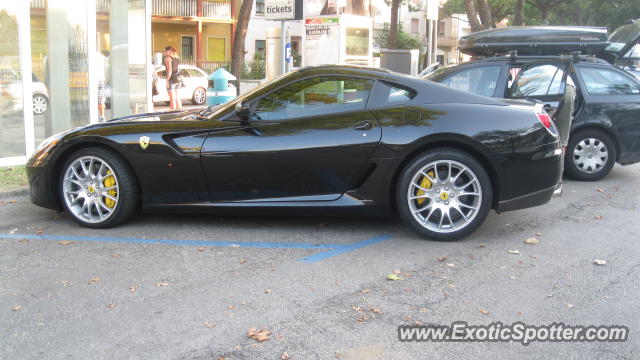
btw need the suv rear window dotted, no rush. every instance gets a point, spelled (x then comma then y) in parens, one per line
(479, 80)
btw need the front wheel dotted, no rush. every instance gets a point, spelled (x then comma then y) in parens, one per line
(97, 188)
(444, 194)
(590, 155)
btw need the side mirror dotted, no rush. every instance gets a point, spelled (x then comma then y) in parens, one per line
(242, 110)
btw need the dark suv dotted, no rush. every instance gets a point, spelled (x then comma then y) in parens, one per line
(606, 125)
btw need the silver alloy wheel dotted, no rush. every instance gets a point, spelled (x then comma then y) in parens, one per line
(444, 196)
(39, 104)
(90, 189)
(200, 96)
(590, 155)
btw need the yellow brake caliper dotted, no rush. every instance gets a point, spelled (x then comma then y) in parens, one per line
(426, 184)
(108, 182)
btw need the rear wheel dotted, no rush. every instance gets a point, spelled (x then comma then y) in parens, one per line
(199, 96)
(444, 194)
(590, 155)
(97, 188)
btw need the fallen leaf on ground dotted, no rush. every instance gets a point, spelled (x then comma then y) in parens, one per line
(483, 245)
(39, 232)
(397, 271)
(532, 241)
(7, 202)
(115, 255)
(65, 242)
(442, 258)
(110, 306)
(267, 291)
(200, 249)
(356, 308)
(450, 264)
(242, 261)
(393, 277)
(600, 262)
(365, 291)
(599, 190)
(362, 318)
(17, 308)
(23, 240)
(258, 335)
(133, 288)
(484, 312)
(598, 217)
(209, 325)
(234, 245)
(569, 305)
(285, 356)
(94, 280)
(375, 310)
(538, 234)
(65, 283)
(13, 231)
(514, 252)
(162, 283)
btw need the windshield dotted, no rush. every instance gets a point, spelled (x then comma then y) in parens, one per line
(623, 36)
(218, 109)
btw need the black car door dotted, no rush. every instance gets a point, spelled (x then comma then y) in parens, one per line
(544, 81)
(613, 101)
(306, 140)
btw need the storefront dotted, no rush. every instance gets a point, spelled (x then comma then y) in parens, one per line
(60, 60)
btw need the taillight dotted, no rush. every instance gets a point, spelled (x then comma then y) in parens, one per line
(544, 119)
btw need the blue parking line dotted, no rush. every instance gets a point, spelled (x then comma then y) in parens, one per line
(332, 249)
(344, 248)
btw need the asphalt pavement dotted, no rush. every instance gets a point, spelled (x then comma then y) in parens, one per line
(181, 286)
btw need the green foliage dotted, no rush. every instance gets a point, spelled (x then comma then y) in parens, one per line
(405, 40)
(608, 13)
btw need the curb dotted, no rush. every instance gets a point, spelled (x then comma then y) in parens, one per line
(16, 192)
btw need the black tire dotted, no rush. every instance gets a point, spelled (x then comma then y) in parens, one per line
(194, 98)
(483, 202)
(127, 187)
(574, 166)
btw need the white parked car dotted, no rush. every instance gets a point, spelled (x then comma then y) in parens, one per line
(195, 84)
(11, 83)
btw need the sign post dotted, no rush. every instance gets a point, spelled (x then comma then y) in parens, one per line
(283, 10)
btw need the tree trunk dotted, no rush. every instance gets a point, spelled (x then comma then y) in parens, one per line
(237, 53)
(518, 17)
(544, 15)
(393, 27)
(485, 14)
(472, 16)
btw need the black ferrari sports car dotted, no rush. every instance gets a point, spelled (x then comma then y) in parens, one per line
(329, 139)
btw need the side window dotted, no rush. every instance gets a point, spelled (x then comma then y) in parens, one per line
(184, 73)
(313, 97)
(195, 73)
(479, 80)
(608, 82)
(538, 80)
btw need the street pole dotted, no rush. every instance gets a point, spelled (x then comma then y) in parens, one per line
(283, 52)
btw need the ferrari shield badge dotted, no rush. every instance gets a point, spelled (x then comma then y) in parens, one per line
(144, 142)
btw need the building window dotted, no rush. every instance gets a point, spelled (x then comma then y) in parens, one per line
(260, 7)
(187, 47)
(260, 46)
(441, 28)
(415, 26)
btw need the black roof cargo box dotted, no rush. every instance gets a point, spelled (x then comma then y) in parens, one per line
(535, 40)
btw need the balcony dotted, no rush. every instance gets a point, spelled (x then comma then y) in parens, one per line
(211, 9)
(188, 8)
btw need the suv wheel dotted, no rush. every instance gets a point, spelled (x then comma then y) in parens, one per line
(590, 155)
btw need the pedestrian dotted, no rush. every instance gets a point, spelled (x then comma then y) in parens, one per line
(171, 64)
(99, 72)
(563, 116)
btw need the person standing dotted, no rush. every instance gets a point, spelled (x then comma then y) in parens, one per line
(171, 64)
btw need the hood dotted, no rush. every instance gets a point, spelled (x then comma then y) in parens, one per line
(185, 115)
(622, 40)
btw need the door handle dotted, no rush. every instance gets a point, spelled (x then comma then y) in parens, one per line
(362, 126)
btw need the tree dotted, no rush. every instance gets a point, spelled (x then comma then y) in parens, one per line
(518, 13)
(472, 15)
(545, 7)
(485, 14)
(393, 28)
(237, 52)
(404, 40)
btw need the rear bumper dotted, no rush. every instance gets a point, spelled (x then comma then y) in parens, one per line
(537, 198)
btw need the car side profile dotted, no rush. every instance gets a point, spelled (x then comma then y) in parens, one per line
(337, 139)
(195, 82)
